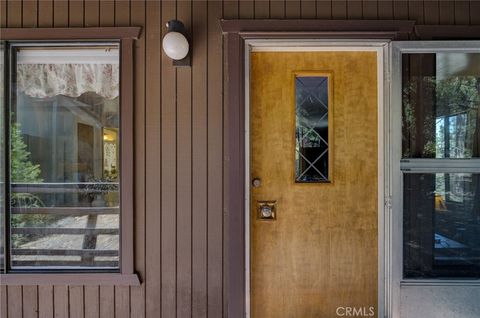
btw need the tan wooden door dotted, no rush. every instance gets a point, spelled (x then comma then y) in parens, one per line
(319, 257)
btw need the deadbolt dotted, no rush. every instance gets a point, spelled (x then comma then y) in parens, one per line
(266, 210)
(256, 182)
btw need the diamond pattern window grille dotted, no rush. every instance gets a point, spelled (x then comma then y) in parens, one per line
(311, 108)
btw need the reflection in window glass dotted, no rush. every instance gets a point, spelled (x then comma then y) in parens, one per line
(441, 225)
(311, 154)
(64, 180)
(441, 98)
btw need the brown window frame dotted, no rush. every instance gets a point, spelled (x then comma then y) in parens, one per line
(126, 37)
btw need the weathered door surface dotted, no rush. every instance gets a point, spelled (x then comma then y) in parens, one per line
(318, 257)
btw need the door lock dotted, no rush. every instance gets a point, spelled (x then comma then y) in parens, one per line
(256, 183)
(266, 210)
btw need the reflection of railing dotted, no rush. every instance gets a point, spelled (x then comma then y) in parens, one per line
(68, 187)
(58, 257)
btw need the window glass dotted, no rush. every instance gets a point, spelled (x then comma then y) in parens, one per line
(441, 98)
(441, 209)
(441, 225)
(64, 158)
(311, 107)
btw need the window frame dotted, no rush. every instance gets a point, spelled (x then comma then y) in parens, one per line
(399, 165)
(125, 36)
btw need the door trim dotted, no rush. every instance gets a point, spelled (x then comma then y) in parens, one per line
(236, 32)
(382, 48)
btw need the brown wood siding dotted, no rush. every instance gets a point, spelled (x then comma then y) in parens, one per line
(179, 146)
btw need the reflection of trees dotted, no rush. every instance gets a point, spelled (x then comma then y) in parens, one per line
(23, 170)
(430, 105)
(426, 98)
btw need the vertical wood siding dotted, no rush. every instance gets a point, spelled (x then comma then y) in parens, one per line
(179, 145)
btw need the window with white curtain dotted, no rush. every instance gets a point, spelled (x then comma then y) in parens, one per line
(61, 196)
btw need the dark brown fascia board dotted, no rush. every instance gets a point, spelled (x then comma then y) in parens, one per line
(447, 32)
(103, 33)
(296, 25)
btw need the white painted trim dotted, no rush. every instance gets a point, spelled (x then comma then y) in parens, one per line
(313, 49)
(426, 282)
(247, 180)
(395, 236)
(383, 108)
(103, 55)
(382, 48)
(440, 165)
(437, 46)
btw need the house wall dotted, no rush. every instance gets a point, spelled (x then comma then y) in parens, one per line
(179, 145)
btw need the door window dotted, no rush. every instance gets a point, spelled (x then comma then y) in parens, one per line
(312, 128)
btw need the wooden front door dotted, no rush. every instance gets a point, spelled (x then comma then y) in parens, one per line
(315, 253)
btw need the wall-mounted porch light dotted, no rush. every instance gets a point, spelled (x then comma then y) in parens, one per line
(176, 45)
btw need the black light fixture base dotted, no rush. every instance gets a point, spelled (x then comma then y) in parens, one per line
(178, 26)
(186, 61)
(175, 26)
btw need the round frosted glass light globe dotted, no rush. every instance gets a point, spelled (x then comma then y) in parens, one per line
(175, 45)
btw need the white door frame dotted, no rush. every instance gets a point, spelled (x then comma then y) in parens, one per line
(382, 48)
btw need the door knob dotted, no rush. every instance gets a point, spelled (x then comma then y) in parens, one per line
(256, 182)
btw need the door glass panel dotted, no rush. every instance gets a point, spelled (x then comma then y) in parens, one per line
(311, 132)
(64, 180)
(441, 219)
(441, 98)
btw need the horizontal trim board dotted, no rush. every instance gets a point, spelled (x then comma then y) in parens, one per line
(440, 170)
(440, 165)
(64, 230)
(63, 252)
(431, 32)
(354, 35)
(77, 55)
(311, 44)
(437, 46)
(66, 210)
(10, 34)
(70, 279)
(292, 25)
(431, 282)
(393, 29)
(78, 266)
(313, 49)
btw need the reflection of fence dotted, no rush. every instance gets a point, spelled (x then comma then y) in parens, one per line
(88, 255)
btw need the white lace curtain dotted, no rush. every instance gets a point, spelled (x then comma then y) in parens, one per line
(48, 80)
(47, 73)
